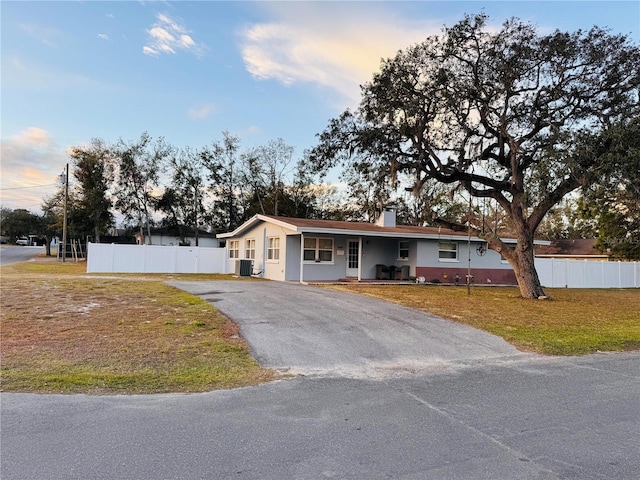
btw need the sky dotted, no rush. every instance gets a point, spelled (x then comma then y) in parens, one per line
(190, 70)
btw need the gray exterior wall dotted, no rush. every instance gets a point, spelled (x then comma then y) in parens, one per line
(423, 256)
(375, 250)
(318, 271)
(428, 256)
(292, 273)
(486, 269)
(383, 251)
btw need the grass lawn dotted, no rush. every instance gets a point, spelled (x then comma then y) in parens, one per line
(573, 322)
(67, 332)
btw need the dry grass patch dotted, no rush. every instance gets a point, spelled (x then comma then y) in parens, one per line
(65, 331)
(574, 322)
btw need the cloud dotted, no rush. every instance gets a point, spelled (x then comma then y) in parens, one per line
(104, 36)
(314, 43)
(31, 165)
(201, 112)
(167, 36)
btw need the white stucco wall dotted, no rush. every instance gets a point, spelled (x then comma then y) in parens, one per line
(272, 269)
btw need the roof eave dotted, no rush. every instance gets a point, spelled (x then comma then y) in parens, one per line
(246, 225)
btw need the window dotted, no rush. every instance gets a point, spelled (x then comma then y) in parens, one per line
(250, 248)
(273, 248)
(318, 250)
(403, 250)
(234, 248)
(448, 251)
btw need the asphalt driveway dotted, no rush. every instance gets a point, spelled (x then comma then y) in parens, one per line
(309, 330)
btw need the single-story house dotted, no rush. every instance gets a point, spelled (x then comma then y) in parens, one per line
(170, 236)
(571, 249)
(307, 250)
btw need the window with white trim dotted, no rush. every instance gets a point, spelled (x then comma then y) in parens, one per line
(448, 251)
(250, 248)
(273, 249)
(403, 250)
(234, 248)
(319, 250)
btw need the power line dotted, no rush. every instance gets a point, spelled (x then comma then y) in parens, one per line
(31, 186)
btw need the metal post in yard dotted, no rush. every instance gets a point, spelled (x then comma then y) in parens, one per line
(64, 218)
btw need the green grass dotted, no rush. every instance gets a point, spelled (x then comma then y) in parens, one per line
(573, 322)
(186, 376)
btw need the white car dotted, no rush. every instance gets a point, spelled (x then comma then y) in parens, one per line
(22, 241)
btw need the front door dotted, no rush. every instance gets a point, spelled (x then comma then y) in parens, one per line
(353, 258)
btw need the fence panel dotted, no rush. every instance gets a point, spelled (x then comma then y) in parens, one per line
(629, 274)
(113, 258)
(561, 273)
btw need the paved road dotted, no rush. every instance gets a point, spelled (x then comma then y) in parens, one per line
(453, 404)
(533, 418)
(310, 330)
(13, 254)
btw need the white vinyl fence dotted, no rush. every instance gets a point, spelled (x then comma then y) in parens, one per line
(560, 273)
(113, 258)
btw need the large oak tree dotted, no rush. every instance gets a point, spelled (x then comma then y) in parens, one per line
(494, 112)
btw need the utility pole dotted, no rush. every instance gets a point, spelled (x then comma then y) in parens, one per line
(64, 218)
(195, 193)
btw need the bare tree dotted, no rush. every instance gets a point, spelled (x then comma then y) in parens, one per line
(138, 170)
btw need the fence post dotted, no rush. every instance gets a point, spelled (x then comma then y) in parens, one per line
(619, 274)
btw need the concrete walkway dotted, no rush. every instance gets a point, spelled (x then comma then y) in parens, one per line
(318, 331)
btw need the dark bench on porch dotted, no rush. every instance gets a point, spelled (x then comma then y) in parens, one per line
(392, 272)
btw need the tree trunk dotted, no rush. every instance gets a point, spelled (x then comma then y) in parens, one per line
(47, 245)
(524, 267)
(148, 225)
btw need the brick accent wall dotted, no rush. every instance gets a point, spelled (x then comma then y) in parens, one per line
(485, 276)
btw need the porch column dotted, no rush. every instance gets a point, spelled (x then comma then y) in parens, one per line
(359, 258)
(301, 257)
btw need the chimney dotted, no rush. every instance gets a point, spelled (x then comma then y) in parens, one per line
(388, 217)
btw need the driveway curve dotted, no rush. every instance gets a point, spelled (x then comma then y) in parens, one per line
(308, 330)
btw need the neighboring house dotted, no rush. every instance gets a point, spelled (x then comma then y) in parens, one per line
(298, 249)
(170, 236)
(576, 249)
